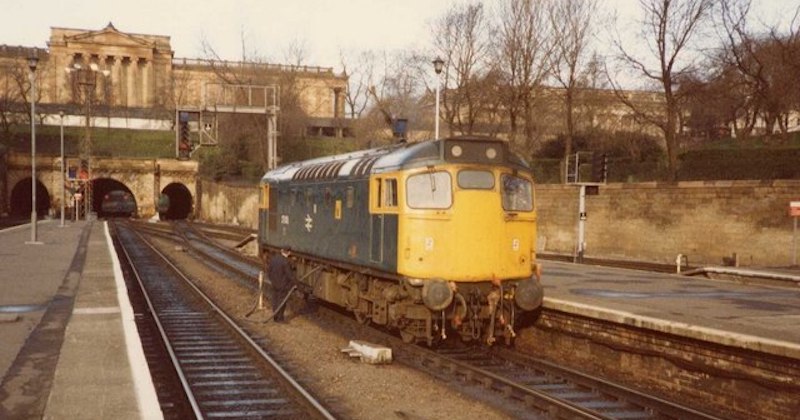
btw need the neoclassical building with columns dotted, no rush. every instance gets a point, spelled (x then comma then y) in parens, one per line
(140, 83)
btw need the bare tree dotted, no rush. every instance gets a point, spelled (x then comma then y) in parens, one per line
(359, 71)
(13, 96)
(668, 28)
(524, 49)
(252, 130)
(572, 21)
(396, 94)
(460, 38)
(788, 52)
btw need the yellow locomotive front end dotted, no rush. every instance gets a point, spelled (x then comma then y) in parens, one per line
(466, 234)
(467, 224)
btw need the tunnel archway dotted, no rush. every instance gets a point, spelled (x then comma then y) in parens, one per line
(20, 203)
(100, 188)
(180, 202)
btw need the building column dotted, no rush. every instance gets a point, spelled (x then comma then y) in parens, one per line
(129, 82)
(337, 111)
(146, 74)
(116, 73)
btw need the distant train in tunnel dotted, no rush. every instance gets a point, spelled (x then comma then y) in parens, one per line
(118, 203)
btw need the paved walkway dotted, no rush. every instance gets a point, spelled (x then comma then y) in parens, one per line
(70, 348)
(751, 316)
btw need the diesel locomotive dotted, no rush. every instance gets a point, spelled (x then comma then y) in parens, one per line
(428, 238)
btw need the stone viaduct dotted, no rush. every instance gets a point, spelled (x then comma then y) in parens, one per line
(146, 179)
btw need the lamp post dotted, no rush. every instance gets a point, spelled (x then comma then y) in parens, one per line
(438, 64)
(33, 61)
(63, 187)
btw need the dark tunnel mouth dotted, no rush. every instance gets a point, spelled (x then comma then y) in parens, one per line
(180, 202)
(21, 201)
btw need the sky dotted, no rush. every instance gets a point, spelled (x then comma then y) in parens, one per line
(268, 27)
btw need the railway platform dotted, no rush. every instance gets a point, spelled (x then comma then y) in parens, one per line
(749, 316)
(70, 347)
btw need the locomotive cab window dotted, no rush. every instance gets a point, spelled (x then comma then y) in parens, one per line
(517, 193)
(429, 190)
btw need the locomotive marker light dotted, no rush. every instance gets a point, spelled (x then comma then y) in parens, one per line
(33, 60)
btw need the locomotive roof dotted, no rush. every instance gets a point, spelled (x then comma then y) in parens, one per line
(398, 156)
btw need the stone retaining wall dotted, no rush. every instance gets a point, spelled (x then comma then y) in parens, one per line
(229, 204)
(704, 220)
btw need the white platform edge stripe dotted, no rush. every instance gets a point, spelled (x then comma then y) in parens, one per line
(97, 310)
(750, 342)
(142, 381)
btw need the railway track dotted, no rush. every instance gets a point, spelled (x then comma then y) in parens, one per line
(560, 392)
(221, 370)
(521, 382)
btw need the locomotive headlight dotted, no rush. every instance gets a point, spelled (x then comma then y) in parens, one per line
(437, 294)
(529, 294)
(456, 150)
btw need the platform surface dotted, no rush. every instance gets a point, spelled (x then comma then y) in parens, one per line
(70, 348)
(756, 317)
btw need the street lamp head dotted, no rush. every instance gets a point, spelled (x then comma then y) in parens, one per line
(438, 65)
(61, 114)
(33, 60)
(93, 66)
(106, 73)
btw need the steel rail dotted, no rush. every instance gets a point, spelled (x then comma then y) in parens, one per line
(165, 339)
(307, 398)
(530, 396)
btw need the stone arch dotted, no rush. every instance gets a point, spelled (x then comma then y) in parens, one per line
(101, 187)
(20, 201)
(180, 202)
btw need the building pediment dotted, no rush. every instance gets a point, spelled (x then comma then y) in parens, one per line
(110, 36)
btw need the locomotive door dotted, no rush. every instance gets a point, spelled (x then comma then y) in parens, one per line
(376, 238)
(383, 200)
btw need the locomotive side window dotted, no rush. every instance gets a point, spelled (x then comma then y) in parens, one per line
(517, 193)
(475, 180)
(429, 190)
(383, 195)
(378, 193)
(390, 193)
